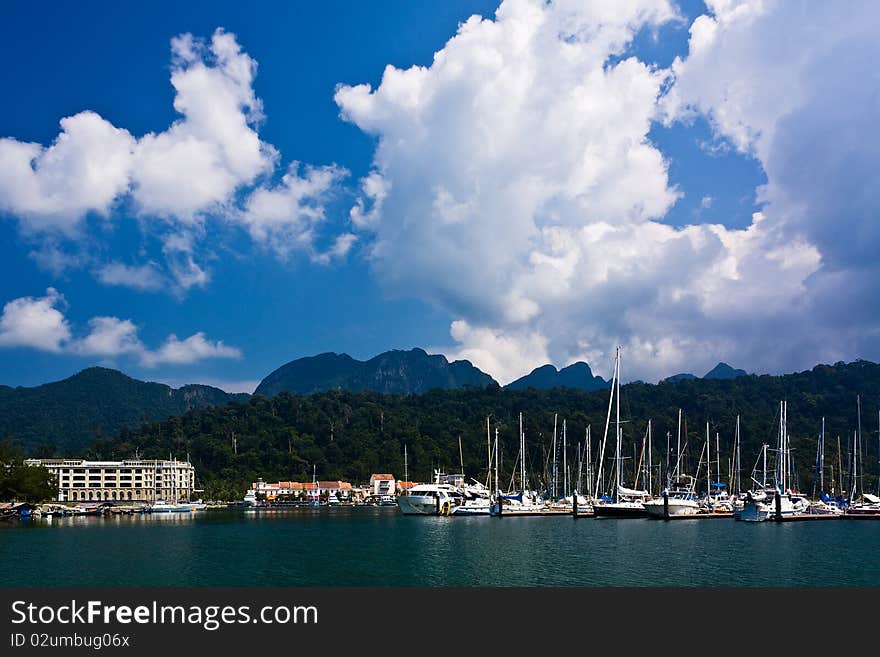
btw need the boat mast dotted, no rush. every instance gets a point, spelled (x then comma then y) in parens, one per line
(405, 470)
(764, 482)
(522, 454)
(489, 454)
(822, 460)
(588, 452)
(668, 479)
(553, 483)
(650, 465)
(564, 461)
(708, 465)
(607, 422)
(675, 474)
(862, 461)
(617, 424)
(497, 454)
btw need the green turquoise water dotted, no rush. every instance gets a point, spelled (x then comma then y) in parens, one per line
(374, 546)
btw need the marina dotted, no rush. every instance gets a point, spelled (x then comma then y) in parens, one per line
(379, 546)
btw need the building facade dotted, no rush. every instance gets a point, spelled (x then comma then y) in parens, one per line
(120, 481)
(382, 484)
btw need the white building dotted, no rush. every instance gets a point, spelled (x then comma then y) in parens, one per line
(382, 484)
(120, 481)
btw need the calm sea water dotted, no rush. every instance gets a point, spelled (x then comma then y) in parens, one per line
(374, 546)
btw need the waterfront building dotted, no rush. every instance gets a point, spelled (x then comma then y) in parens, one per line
(382, 484)
(139, 480)
(288, 489)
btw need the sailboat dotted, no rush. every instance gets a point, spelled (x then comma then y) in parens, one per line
(781, 500)
(825, 505)
(315, 500)
(865, 505)
(624, 502)
(679, 497)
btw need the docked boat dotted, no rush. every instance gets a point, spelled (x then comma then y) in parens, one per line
(867, 507)
(428, 500)
(755, 510)
(677, 501)
(781, 500)
(250, 498)
(175, 507)
(624, 502)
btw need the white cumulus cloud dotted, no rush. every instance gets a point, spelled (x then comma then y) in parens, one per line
(35, 322)
(39, 323)
(189, 350)
(515, 186)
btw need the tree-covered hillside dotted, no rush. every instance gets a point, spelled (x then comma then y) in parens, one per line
(64, 417)
(349, 435)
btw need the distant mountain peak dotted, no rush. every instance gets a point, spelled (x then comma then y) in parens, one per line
(724, 371)
(398, 371)
(577, 375)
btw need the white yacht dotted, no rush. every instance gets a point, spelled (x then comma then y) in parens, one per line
(756, 510)
(680, 503)
(250, 498)
(429, 499)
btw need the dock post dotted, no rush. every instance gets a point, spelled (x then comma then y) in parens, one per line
(437, 503)
(778, 502)
(574, 505)
(666, 504)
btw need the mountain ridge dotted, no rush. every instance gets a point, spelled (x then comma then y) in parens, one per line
(395, 371)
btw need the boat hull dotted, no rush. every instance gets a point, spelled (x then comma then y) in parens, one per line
(620, 510)
(675, 508)
(418, 505)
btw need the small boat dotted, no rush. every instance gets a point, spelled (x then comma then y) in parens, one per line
(869, 506)
(175, 507)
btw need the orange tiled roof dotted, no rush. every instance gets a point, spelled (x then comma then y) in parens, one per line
(381, 477)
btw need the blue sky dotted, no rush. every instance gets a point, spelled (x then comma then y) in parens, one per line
(260, 295)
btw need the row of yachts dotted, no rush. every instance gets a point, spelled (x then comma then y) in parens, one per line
(448, 497)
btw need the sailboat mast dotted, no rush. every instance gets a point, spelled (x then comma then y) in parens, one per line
(564, 461)
(617, 424)
(677, 446)
(497, 453)
(405, 469)
(522, 454)
(489, 455)
(859, 451)
(588, 453)
(553, 483)
(650, 479)
(708, 465)
(822, 460)
(764, 482)
(605, 437)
